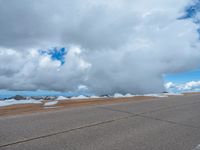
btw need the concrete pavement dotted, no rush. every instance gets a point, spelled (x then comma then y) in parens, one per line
(171, 123)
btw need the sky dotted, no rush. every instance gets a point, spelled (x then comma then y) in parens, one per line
(183, 77)
(99, 47)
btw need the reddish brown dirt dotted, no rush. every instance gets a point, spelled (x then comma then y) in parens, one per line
(64, 104)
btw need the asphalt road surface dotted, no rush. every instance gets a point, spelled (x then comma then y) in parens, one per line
(171, 123)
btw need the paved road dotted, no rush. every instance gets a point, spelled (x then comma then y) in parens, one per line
(159, 124)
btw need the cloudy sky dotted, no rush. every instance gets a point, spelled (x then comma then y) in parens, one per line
(99, 46)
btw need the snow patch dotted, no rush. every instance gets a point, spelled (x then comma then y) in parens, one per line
(61, 98)
(80, 97)
(15, 102)
(129, 95)
(95, 96)
(50, 103)
(155, 95)
(118, 95)
(171, 94)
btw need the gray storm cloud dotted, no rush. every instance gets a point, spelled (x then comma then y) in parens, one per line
(119, 46)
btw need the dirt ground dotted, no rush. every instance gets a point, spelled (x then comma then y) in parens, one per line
(64, 104)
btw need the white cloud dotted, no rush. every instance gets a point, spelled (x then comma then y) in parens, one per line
(169, 85)
(118, 46)
(188, 86)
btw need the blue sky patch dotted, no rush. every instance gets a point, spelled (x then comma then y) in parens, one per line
(191, 11)
(56, 54)
(180, 78)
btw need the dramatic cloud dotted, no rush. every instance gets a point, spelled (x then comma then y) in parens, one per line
(119, 46)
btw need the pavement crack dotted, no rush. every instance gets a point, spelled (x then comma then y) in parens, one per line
(152, 118)
(168, 121)
(151, 111)
(117, 110)
(170, 107)
(62, 132)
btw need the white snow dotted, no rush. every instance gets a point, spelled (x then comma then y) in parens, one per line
(155, 95)
(50, 103)
(95, 96)
(168, 94)
(15, 102)
(61, 98)
(163, 94)
(129, 95)
(80, 97)
(117, 95)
